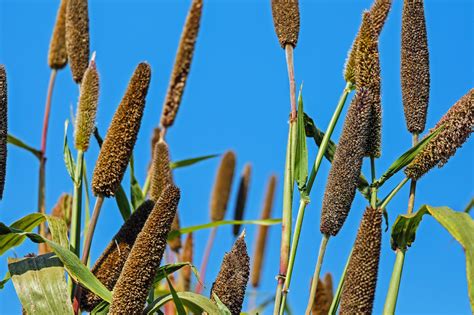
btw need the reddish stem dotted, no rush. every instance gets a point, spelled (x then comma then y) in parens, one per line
(205, 260)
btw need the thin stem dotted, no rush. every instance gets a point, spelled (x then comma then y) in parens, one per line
(337, 296)
(76, 214)
(91, 228)
(44, 136)
(411, 198)
(317, 271)
(373, 190)
(392, 194)
(291, 79)
(205, 259)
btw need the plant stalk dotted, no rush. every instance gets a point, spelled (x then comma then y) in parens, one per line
(205, 260)
(337, 296)
(76, 214)
(317, 272)
(91, 228)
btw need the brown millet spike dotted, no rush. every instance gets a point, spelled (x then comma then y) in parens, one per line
(222, 186)
(324, 296)
(109, 265)
(3, 127)
(131, 291)
(367, 75)
(187, 256)
(358, 292)
(77, 37)
(87, 108)
(242, 197)
(161, 172)
(286, 20)
(122, 134)
(63, 208)
(57, 57)
(233, 276)
(415, 66)
(175, 243)
(262, 234)
(346, 166)
(458, 126)
(182, 64)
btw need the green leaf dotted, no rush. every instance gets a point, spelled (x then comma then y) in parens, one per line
(168, 269)
(222, 308)
(68, 159)
(469, 206)
(136, 192)
(259, 309)
(194, 228)
(459, 224)
(301, 162)
(40, 284)
(177, 301)
(27, 223)
(87, 205)
(192, 161)
(406, 158)
(71, 262)
(18, 143)
(101, 309)
(5, 280)
(191, 300)
(122, 203)
(313, 131)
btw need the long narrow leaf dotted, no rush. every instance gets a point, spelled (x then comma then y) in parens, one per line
(122, 203)
(188, 162)
(189, 299)
(168, 269)
(177, 301)
(301, 163)
(136, 193)
(68, 159)
(27, 223)
(18, 143)
(5, 280)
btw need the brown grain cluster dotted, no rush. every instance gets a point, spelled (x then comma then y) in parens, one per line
(323, 297)
(231, 282)
(262, 234)
(109, 265)
(378, 13)
(182, 64)
(132, 287)
(187, 256)
(63, 207)
(57, 56)
(415, 66)
(242, 197)
(3, 127)
(346, 166)
(222, 186)
(458, 124)
(77, 37)
(358, 292)
(161, 172)
(122, 134)
(367, 75)
(286, 20)
(87, 107)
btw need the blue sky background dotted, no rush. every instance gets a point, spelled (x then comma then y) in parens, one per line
(237, 98)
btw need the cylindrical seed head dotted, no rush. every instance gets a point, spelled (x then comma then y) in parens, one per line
(358, 291)
(122, 134)
(77, 37)
(458, 125)
(131, 291)
(3, 127)
(222, 186)
(367, 75)
(323, 297)
(109, 265)
(231, 282)
(182, 64)
(346, 166)
(161, 171)
(187, 256)
(57, 57)
(63, 208)
(415, 66)
(262, 234)
(378, 13)
(87, 107)
(242, 197)
(286, 20)
(175, 243)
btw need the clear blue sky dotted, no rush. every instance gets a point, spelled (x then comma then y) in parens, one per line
(237, 98)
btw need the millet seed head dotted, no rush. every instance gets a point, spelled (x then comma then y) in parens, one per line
(3, 127)
(458, 124)
(231, 282)
(57, 56)
(346, 166)
(87, 108)
(63, 207)
(122, 134)
(160, 172)
(222, 186)
(182, 64)
(415, 66)
(77, 37)
(286, 20)
(323, 297)
(110, 264)
(130, 292)
(242, 197)
(360, 283)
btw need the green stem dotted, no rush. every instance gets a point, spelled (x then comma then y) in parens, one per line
(392, 294)
(75, 234)
(337, 296)
(383, 204)
(317, 271)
